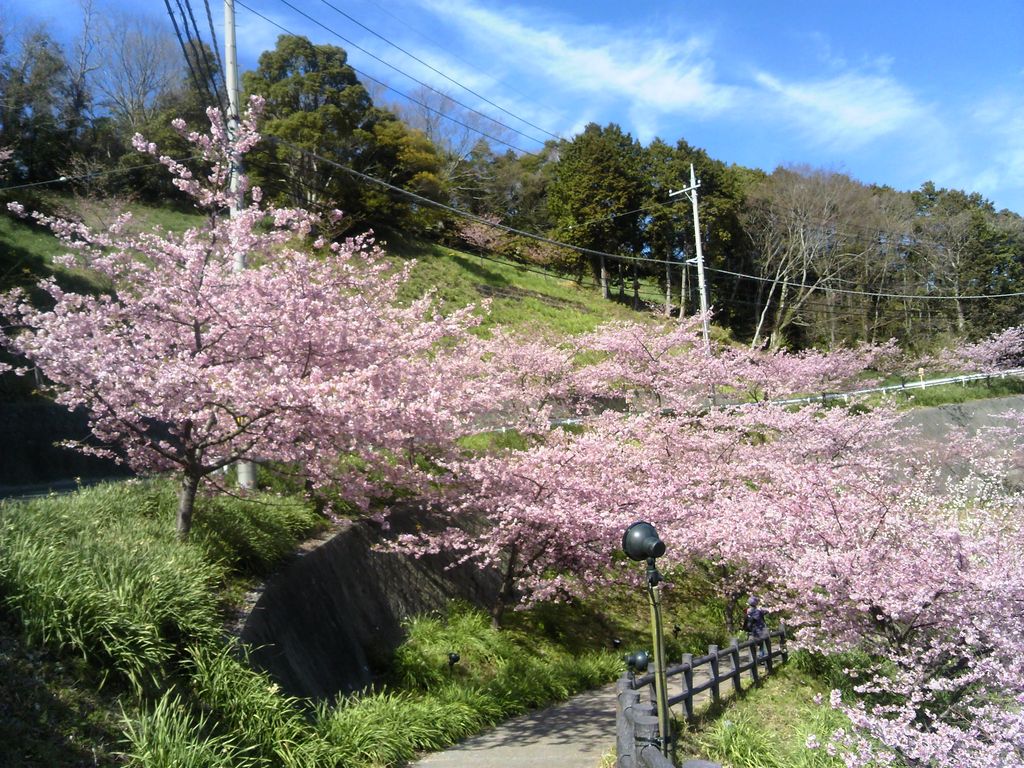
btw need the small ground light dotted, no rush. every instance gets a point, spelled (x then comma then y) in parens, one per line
(616, 642)
(453, 659)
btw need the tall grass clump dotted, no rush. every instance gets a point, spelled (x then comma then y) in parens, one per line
(390, 727)
(93, 574)
(251, 535)
(171, 735)
(270, 727)
(101, 572)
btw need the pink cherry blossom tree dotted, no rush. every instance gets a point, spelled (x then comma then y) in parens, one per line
(836, 515)
(187, 365)
(554, 512)
(998, 352)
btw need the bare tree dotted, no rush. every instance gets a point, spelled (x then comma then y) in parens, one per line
(458, 133)
(138, 61)
(802, 225)
(950, 240)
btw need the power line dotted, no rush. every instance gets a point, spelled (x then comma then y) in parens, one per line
(453, 54)
(406, 74)
(213, 38)
(196, 80)
(406, 96)
(439, 72)
(628, 259)
(200, 53)
(82, 176)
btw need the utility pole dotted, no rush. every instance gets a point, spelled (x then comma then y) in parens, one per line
(231, 84)
(691, 193)
(246, 469)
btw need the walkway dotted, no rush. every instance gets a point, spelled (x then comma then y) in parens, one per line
(574, 734)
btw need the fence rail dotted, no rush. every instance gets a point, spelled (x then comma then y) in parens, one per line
(904, 385)
(636, 720)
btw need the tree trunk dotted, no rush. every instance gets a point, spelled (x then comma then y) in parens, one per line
(507, 591)
(604, 279)
(186, 504)
(683, 289)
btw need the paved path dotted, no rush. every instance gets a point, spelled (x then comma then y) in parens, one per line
(575, 734)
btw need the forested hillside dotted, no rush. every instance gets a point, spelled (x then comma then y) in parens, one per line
(795, 257)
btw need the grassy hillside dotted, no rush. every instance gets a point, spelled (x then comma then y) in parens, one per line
(521, 296)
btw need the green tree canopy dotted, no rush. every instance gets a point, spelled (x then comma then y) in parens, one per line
(597, 187)
(324, 118)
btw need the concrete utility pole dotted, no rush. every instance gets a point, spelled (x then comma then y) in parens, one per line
(231, 83)
(691, 193)
(246, 469)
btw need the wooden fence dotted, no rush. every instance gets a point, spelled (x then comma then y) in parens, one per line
(636, 720)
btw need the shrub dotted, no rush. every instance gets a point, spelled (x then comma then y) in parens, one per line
(97, 574)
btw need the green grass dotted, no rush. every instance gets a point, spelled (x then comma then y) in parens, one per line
(98, 583)
(27, 251)
(51, 713)
(432, 704)
(520, 297)
(768, 726)
(949, 394)
(94, 575)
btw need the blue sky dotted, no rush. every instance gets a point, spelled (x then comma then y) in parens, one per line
(895, 92)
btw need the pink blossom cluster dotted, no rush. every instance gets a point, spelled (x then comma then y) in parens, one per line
(849, 534)
(188, 364)
(998, 352)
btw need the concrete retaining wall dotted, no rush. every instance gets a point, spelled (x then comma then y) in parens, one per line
(331, 619)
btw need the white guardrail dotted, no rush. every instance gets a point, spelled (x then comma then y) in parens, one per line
(905, 385)
(844, 396)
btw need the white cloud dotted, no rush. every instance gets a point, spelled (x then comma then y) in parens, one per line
(846, 111)
(999, 123)
(655, 70)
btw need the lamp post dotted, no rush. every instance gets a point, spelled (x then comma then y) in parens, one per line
(641, 542)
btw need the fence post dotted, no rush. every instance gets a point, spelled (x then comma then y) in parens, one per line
(782, 642)
(647, 738)
(688, 684)
(716, 694)
(768, 654)
(625, 736)
(734, 652)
